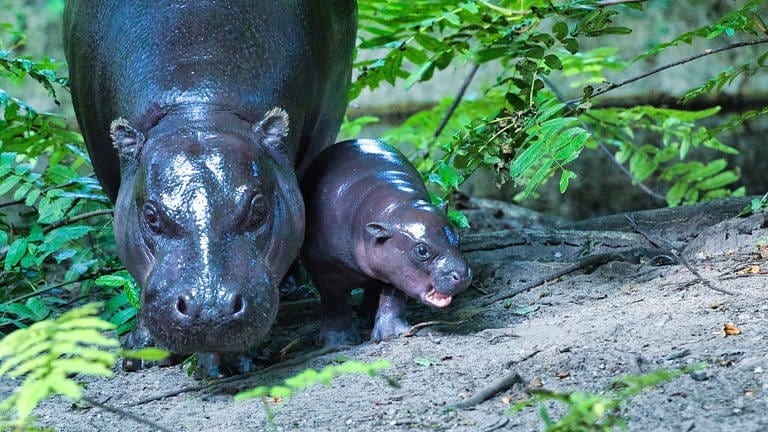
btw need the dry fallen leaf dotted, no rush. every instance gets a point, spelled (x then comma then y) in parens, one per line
(716, 304)
(536, 382)
(753, 269)
(563, 374)
(729, 329)
(506, 400)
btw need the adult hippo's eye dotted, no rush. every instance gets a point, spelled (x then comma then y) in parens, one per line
(421, 252)
(257, 212)
(152, 217)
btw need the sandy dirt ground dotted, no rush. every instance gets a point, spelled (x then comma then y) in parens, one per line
(635, 310)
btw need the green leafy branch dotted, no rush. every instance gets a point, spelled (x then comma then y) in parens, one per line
(588, 412)
(49, 352)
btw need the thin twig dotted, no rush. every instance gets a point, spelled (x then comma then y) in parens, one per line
(213, 384)
(456, 101)
(586, 262)
(663, 244)
(695, 272)
(525, 358)
(613, 86)
(76, 218)
(45, 290)
(126, 414)
(491, 390)
(618, 2)
(416, 327)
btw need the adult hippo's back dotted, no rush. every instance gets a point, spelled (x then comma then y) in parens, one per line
(184, 106)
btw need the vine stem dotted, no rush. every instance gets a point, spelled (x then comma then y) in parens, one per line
(682, 61)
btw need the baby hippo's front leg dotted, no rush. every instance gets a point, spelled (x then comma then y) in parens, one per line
(390, 322)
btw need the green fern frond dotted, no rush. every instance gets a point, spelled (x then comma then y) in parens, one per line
(48, 353)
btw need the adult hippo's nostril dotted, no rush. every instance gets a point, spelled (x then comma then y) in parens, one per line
(238, 305)
(181, 305)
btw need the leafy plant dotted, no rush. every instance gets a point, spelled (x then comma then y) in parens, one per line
(308, 378)
(50, 203)
(589, 412)
(517, 127)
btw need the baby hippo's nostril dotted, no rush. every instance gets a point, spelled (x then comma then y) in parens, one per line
(455, 276)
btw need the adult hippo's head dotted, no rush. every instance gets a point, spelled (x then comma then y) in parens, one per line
(208, 219)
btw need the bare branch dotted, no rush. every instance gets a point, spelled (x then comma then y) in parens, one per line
(613, 86)
(456, 101)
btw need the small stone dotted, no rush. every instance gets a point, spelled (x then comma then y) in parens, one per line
(699, 375)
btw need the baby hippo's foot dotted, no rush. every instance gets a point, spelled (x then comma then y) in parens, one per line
(139, 338)
(388, 328)
(389, 322)
(212, 365)
(339, 332)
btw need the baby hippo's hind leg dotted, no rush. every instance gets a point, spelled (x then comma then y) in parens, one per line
(338, 326)
(390, 322)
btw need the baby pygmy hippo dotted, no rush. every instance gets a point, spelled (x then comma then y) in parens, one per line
(370, 224)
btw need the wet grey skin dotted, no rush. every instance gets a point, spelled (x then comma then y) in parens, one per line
(370, 224)
(200, 117)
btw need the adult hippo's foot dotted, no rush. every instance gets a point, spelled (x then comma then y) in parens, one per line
(140, 338)
(212, 365)
(209, 365)
(389, 323)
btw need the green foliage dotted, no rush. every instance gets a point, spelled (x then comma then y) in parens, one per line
(756, 205)
(312, 377)
(515, 126)
(49, 353)
(589, 412)
(516, 131)
(656, 141)
(121, 309)
(53, 215)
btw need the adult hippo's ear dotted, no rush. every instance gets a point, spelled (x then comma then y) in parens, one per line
(380, 230)
(271, 130)
(127, 140)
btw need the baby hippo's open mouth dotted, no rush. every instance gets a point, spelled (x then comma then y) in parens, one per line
(436, 299)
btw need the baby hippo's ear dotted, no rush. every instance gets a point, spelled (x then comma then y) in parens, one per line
(127, 140)
(271, 130)
(380, 230)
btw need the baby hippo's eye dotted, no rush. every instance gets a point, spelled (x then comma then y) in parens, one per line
(421, 252)
(152, 217)
(257, 212)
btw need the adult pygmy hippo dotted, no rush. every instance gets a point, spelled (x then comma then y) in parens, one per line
(370, 224)
(199, 157)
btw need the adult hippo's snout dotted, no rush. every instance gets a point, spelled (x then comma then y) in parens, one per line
(210, 317)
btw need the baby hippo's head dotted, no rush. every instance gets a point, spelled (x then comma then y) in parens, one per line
(417, 250)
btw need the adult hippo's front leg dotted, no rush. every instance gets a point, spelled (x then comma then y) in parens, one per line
(202, 167)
